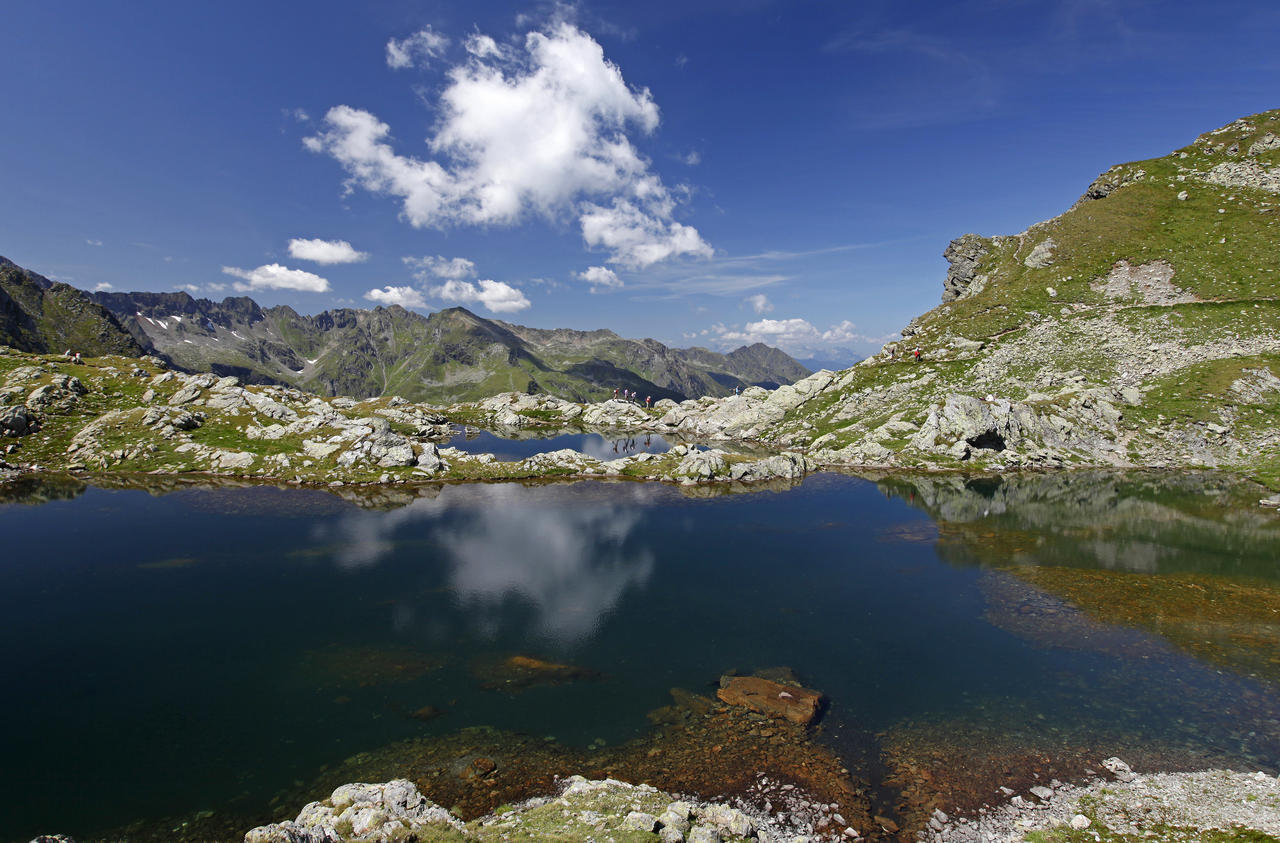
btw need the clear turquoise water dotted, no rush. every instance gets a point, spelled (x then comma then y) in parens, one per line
(205, 648)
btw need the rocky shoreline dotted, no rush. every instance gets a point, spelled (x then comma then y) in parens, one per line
(1220, 805)
(114, 416)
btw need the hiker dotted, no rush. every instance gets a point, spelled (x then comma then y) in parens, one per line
(916, 354)
(735, 389)
(615, 393)
(648, 400)
(76, 358)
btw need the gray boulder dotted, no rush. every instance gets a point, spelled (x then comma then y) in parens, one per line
(700, 466)
(18, 421)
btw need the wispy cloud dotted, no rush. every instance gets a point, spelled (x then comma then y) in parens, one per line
(736, 275)
(929, 79)
(439, 267)
(417, 49)
(93, 242)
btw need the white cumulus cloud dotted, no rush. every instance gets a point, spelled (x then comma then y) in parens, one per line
(497, 296)
(759, 303)
(273, 276)
(325, 251)
(798, 337)
(101, 286)
(403, 296)
(539, 132)
(419, 48)
(429, 267)
(600, 277)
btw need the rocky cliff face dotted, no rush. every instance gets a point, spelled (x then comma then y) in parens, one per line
(446, 356)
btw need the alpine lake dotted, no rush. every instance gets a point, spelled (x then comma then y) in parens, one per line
(184, 661)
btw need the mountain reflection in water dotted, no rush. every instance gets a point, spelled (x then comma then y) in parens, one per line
(1188, 556)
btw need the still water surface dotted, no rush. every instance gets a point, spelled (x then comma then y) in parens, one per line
(598, 445)
(204, 649)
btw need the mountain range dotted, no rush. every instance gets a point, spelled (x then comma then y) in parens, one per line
(447, 356)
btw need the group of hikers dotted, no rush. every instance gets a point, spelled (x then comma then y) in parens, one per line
(74, 358)
(630, 395)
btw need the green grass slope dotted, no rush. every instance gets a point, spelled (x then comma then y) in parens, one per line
(1163, 280)
(44, 316)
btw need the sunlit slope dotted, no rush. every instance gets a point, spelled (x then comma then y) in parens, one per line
(1139, 327)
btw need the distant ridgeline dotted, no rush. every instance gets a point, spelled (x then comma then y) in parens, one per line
(449, 356)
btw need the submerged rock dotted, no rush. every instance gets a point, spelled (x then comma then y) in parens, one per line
(772, 699)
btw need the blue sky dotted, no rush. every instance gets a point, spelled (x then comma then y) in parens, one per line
(704, 173)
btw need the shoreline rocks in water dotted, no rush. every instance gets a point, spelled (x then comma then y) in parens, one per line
(1160, 806)
(1134, 807)
(584, 809)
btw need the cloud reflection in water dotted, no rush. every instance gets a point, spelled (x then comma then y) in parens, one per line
(563, 554)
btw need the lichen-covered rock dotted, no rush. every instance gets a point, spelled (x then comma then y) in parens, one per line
(378, 813)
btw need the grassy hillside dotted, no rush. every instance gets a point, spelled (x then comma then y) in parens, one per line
(1142, 326)
(40, 315)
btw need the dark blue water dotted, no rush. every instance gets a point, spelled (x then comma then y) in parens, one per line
(595, 445)
(205, 648)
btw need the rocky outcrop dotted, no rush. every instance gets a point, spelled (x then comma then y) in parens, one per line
(583, 809)
(18, 421)
(1041, 255)
(963, 255)
(377, 813)
(1108, 183)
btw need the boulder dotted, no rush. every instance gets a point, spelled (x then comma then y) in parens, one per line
(772, 699)
(18, 421)
(702, 465)
(363, 812)
(1041, 256)
(788, 465)
(429, 461)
